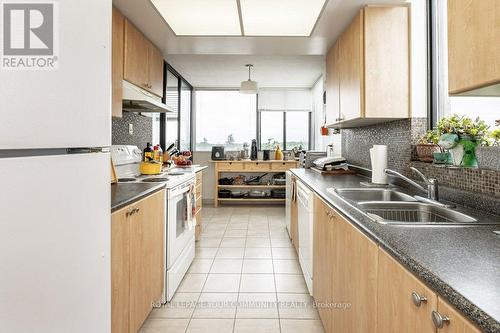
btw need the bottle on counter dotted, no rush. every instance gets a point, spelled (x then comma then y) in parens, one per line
(253, 154)
(160, 154)
(155, 153)
(278, 154)
(148, 154)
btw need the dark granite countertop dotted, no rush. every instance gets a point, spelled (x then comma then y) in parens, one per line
(460, 263)
(123, 194)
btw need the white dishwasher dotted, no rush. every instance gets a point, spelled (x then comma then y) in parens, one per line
(305, 200)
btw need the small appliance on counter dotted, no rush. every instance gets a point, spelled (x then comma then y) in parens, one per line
(307, 158)
(266, 155)
(218, 153)
(330, 163)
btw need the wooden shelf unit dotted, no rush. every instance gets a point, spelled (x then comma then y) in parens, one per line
(243, 167)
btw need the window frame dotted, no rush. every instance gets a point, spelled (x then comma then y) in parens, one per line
(285, 112)
(163, 117)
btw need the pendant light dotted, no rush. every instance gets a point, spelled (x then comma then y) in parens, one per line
(249, 86)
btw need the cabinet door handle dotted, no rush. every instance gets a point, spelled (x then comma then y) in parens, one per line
(418, 299)
(132, 212)
(439, 320)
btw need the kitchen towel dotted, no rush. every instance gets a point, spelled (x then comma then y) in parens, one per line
(378, 157)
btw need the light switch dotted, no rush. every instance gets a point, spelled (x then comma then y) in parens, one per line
(131, 129)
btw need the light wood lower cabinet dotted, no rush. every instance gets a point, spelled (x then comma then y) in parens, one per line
(456, 323)
(384, 297)
(199, 204)
(397, 311)
(323, 253)
(137, 262)
(355, 279)
(120, 271)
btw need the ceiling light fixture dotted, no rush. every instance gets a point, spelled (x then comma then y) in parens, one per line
(274, 18)
(249, 86)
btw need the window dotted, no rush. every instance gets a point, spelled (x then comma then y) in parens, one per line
(226, 118)
(297, 130)
(487, 108)
(289, 129)
(177, 125)
(271, 130)
(185, 117)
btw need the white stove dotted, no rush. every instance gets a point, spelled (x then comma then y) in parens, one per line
(179, 246)
(127, 160)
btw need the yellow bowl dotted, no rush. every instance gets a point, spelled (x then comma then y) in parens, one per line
(150, 168)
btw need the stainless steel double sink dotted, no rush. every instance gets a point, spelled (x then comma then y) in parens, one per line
(388, 206)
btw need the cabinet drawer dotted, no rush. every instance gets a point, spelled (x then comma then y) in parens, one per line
(283, 166)
(199, 190)
(257, 166)
(230, 166)
(199, 177)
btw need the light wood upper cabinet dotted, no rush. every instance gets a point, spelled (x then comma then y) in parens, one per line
(155, 60)
(351, 70)
(398, 312)
(387, 62)
(323, 252)
(117, 62)
(373, 69)
(456, 323)
(143, 64)
(332, 85)
(355, 279)
(473, 46)
(137, 262)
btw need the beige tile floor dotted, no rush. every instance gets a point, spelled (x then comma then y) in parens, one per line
(245, 278)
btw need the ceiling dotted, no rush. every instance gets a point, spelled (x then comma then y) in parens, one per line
(227, 71)
(219, 61)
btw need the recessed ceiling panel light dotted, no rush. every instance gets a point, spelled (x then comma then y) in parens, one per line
(280, 17)
(200, 17)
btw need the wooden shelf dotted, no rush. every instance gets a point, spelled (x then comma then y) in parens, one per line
(251, 186)
(252, 199)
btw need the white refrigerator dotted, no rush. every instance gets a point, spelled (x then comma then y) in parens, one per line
(55, 217)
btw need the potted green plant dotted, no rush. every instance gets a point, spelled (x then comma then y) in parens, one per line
(427, 145)
(461, 135)
(488, 154)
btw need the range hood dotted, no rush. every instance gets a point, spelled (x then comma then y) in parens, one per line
(136, 99)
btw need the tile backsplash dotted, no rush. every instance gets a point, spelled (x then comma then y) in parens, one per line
(142, 130)
(399, 136)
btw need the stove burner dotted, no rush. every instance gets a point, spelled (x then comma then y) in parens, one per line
(126, 180)
(176, 174)
(155, 180)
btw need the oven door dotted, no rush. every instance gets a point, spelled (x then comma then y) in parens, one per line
(178, 218)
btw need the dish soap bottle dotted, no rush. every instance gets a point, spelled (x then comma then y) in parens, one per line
(278, 154)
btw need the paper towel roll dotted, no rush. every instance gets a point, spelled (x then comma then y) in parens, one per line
(378, 156)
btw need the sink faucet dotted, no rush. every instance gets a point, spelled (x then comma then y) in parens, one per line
(432, 184)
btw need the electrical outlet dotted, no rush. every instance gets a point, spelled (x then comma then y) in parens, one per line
(131, 129)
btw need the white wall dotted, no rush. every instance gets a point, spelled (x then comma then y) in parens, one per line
(321, 142)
